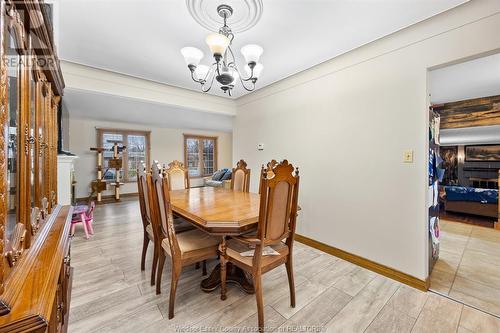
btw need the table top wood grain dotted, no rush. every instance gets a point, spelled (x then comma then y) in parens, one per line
(217, 211)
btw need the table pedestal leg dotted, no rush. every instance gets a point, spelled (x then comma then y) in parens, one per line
(235, 275)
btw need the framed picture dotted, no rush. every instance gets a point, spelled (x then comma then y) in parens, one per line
(482, 153)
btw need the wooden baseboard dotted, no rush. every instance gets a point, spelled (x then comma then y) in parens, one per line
(366, 263)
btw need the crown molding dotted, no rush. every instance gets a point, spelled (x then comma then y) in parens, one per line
(83, 77)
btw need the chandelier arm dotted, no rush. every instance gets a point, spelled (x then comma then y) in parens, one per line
(211, 81)
(195, 80)
(243, 84)
(250, 78)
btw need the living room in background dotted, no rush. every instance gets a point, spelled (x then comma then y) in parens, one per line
(138, 150)
(200, 155)
(467, 164)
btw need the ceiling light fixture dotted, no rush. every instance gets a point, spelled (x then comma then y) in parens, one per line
(224, 69)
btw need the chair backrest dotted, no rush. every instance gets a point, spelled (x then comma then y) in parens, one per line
(240, 180)
(268, 171)
(142, 188)
(163, 208)
(177, 176)
(278, 203)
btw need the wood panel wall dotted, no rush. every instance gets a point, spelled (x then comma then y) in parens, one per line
(483, 111)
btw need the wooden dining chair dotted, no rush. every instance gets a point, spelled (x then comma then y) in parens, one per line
(177, 175)
(144, 204)
(178, 179)
(150, 229)
(182, 248)
(240, 180)
(276, 228)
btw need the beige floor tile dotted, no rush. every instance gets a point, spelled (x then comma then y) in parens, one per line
(390, 320)
(318, 313)
(441, 281)
(307, 292)
(448, 261)
(274, 288)
(477, 321)
(454, 245)
(475, 294)
(355, 281)
(472, 256)
(333, 273)
(357, 315)
(408, 300)
(438, 315)
(272, 320)
(486, 234)
(457, 228)
(483, 273)
(486, 246)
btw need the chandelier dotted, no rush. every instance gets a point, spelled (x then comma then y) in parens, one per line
(224, 70)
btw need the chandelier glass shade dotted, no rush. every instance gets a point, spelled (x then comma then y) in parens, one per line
(224, 69)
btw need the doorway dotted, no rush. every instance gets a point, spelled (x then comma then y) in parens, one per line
(464, 173)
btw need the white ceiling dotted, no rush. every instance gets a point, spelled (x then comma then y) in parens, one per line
(143, 38)
(470, 79)
(104, 107)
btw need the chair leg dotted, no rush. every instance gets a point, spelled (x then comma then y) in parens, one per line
(73, 227)
(176, 272)
(90, 227)
(145, 244)
(257, 283)
(204, 268)
(161, 263)
(155, 262)
(291, 283)
(85, 228)
(223, 269)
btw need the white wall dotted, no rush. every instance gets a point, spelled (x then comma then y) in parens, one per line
(346, 123)
(166, 145)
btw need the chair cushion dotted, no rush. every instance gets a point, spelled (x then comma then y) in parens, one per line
(234, 248)
(219, 174)
(214, 183)
(193, 241)
(149, 230)
(227, 175)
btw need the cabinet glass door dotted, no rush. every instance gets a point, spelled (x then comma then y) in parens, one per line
(13, 72)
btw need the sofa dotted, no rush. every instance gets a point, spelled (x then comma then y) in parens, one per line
(220, 178)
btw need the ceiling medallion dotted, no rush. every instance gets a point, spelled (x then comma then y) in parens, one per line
(246, 13)
(224, 69)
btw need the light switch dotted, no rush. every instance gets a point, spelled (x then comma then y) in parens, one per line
(260, 146)
(408, 156)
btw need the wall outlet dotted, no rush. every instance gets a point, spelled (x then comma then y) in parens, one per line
(408, 156)
(260, 146)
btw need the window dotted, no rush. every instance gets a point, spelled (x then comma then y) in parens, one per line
(200, 155)
(137, 143)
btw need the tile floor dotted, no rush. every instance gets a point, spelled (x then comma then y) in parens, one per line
(468, 268)
(111, 294)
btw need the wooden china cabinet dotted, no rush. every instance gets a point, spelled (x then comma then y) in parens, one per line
(35, 272)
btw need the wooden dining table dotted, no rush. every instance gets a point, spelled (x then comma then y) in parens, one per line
(221, 212)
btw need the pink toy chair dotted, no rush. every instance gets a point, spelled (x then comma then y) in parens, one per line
(85, 215)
